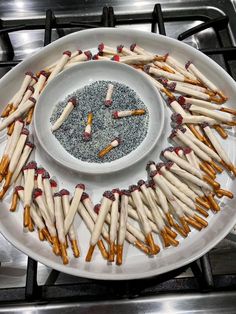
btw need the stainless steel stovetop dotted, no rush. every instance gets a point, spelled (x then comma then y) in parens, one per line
(25, 42)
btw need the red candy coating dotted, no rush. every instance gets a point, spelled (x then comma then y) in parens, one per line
(19, 188)
(153, 173)
(53, 183)
(73, 101)
(116, 58)
(67, 52)
(84, 196)
(115, 115)
(187, 150)
(119, 48)
(31, 88)
(87, 136)
(177, 118)
(116, 191)
(45, 175)
(29, 73)
(97, 208)
(57, 194)
(32, 165)
(88, 54)
(187, 64)
(168, 165)
(108, 103)
(109, 195)
(30, 144)
(141, 182)
(25, 131)
(80, 186)
(132, 47)
(100, 47)
(133, 188)
(40, 171)
(37, 192)
(33, 100)
(160, 165)
(181, 100)
(64, 192)
(125, 192)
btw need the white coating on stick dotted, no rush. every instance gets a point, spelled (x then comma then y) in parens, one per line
(189, 91)
(86, 217)
(104, 209)
(137, 233)
(27, 95)
(203, 78)
(202, 103)
(59, 219)
(201, 154)
(44, 211)
(29, 186)
(221, 116)
(141, 212)
(203, 146)
(136, 59)
(17, 152)
(218, 147)
(39, 85)
(179, 67)
(114, 218)
(182, 163)
(168, 75)
(73, 208)
(109, 92)
(49, 197)
(195, 188)
(14, 137)
(199, 119)
(190, 177)
(132, 213)
(60, 65)
(123, 219)
(67, 110)
(177, 108)
(66, 207)
(22, 90)
(16, 114)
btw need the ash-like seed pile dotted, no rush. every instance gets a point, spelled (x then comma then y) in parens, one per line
(131, 130)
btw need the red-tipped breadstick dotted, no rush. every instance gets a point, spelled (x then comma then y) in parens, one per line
(163, 66)
(44, 211)
(108, 99)
(187, 171)
(28, 190)
(107, 200)
(19, 112)
(60, 65)
(72, 234)
(54, 186)
(43, 76)
(122, 225)
(125, 51)
(14, 160)
(106, 49)
(114, 224)
(135, 59)
(218, 147)
(10, 146)
(90, 225)
(107, 149)
(154, 249)
(79, 189)
(29, 92)
(60, 227)
(34, 214)
(171, 76)
(88, 129)
(100, 57)
(127, 113)
(189, 65)
(48, 194)
(198, 102)
(83, 56)
(64, 115)
(179, 119)
(178, 67)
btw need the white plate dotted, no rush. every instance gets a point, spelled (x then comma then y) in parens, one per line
(136, 265)
(67, 82)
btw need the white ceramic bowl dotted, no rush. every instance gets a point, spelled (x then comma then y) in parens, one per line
(84, 74)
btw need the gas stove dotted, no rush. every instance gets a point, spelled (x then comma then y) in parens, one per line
(25, 285)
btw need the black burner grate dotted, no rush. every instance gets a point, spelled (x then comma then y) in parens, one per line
(85, 289)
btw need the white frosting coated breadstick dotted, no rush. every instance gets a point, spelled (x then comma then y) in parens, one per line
(40, 172)
(40, 84)
(125, 51)
(24, 85)
(198, 102)
(189, 177)
(171, 155)
(64, 115)
(127, 113)
(201, 145)
(179, 67)
(218, 147)
(108, 99)
(19, 112)
(190, 86)
(178, 87)
(79, 189)
(180, 134)
(83, 56)
(140, 51)
(133, 214)
(191, 157)
(114, 216)
(177, 108)
(195, 188)
(29, 92)
(48, 194)
(60, 65)
(135, 59)
(179, 119)
(106, 49)
(66, 206)
(154, 249)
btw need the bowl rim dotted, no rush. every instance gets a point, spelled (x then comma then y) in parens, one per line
(101, 168)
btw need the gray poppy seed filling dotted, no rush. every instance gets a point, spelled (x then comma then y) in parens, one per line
(131, 130)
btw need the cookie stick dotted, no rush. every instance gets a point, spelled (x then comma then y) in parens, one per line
(154, 249)
(28, 190)
(37, 195)
(36, 218)
(123, 217)
(218, 147)
(204, 79)
(48, 194)
(14, 160)
(64, 115)
(91, 209)
(10, 146)
(59, 217)
(106, 49)
(60, 65)
(79, 189)
(72, 234)
(90, 225)
(107, 200)
(114, 224)
(125, 51)
(179, 119)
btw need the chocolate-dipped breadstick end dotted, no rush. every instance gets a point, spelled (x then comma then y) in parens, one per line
(160, 165)
(109, 195)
